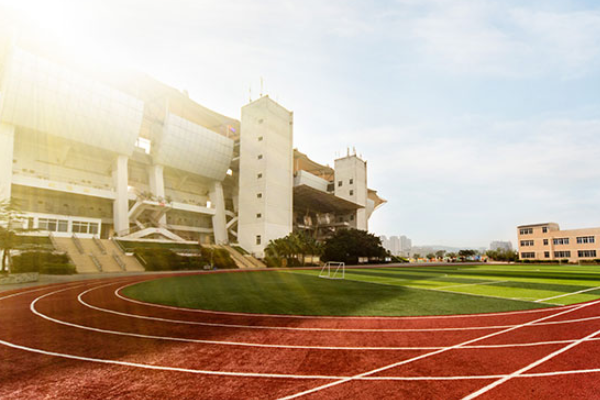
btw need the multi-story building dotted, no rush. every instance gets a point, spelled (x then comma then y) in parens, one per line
(548, 242)
(127, 156)
(397, 246)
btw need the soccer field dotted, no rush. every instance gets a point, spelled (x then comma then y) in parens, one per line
(384, 291)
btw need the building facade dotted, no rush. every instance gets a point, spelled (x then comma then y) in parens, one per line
(130, 157)
(548, 242)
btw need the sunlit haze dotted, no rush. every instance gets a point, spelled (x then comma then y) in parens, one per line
(474, 117)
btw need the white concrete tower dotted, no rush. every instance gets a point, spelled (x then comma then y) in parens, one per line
(266, 174)
(351, 185)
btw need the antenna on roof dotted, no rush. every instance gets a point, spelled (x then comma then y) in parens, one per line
(261, 86)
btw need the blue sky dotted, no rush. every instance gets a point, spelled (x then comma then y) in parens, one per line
(474, 116)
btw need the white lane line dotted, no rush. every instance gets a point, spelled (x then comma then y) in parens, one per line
(403, 362)
(471, 284)
(285, 328)
(262, 375)
(249, 344)
(175, 321)
(528, 367)
(567, 294)
(240, 314)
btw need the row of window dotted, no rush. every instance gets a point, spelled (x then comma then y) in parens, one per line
(525, 243)
(562, 254)
(526, 231)
(351, 181)
(62, 225)
(586, 239)
(562, 241)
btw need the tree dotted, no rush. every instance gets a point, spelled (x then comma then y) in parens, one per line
(430, 256)
(440, 254)
(464, 254)
(348, 245)
(416, 256)
(502, 255)
(9, 228)
(293, 248)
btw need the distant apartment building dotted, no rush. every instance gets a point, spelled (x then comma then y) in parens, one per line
(397, 245)
(548, 242)
(500, 245)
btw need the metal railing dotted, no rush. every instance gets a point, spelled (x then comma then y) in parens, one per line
(96, 262)
(120, 262)
(99, 244)
(77, 244)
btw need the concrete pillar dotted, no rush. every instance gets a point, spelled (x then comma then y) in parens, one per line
(219, 221)
(121, 203)
(157, 185)
(7, 142)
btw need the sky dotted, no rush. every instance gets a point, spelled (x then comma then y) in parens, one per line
(474, 116)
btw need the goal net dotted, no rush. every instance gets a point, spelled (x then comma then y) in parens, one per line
(333, 270)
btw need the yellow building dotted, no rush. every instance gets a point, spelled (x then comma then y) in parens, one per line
(548, 242)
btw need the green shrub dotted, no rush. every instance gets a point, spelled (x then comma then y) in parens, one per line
(168, 260)
(43, 262)
(58, 269)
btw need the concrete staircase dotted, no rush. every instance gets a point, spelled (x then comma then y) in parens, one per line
(96, 255)
(243, 261)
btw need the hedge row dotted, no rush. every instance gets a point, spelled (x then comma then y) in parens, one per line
(168, 260)
(44, 262)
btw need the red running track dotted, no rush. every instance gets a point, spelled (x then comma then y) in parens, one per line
(85, 340)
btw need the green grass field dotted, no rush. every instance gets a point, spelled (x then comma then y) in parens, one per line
(397, 291)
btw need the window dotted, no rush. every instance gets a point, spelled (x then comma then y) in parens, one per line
(561, 241)
(545, 229)
(259, 195)
(528, 255)
(339, 183)
(351, 192)
(546, 254)
(526, 231)
(586, 253)
(63, 225)
(260, 138)
(260, 156)
(258, 240)
(352, 218)
(351, 181)
(259, 215)
(525, 243)
(545, 242)
(562, 254)
(258, 176)
(586, 239)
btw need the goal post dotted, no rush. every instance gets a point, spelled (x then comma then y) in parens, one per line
(333, 270)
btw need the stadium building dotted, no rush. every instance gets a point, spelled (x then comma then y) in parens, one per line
(94, 156)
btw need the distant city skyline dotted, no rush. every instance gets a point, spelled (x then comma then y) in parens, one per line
(475, 117)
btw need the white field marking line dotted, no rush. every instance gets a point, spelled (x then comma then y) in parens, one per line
(285, 328)
(229, 343)
(471, 284)
(194, 310)
(202, 341)
(393, 365)
(528, 367)
(261, 375)
(260, 345)
(568, 294)
(553, 309)
(450, 291)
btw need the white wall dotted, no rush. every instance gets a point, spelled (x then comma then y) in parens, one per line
(352, 168)
(265, 119)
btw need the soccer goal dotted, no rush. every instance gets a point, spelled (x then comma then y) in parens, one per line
(333, 270)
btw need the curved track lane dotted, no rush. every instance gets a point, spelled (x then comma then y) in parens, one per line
(86, 340)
